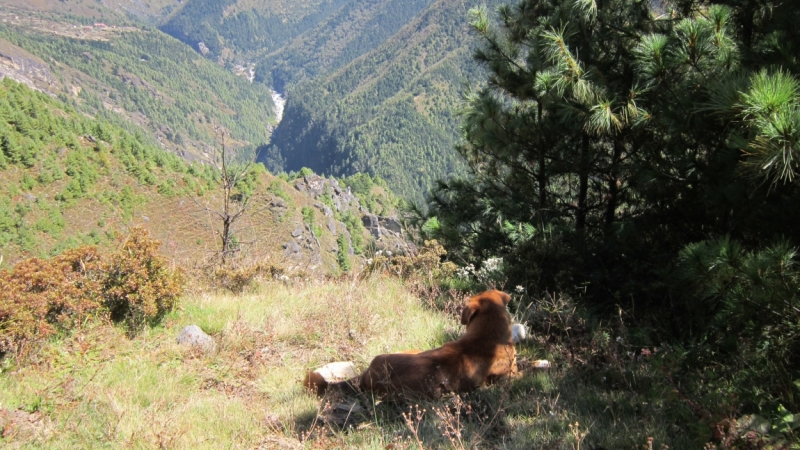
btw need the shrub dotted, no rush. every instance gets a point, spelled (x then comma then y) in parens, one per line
(741, 309)
(40, 297)
(425, 273)
(276, 187)
(357, 230)
(238, 279)
(428, 263)
(343, 254)
(137, 286)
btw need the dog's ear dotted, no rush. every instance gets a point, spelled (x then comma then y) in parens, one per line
(467, 313)
(505, 298)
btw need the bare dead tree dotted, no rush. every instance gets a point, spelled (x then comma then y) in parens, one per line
(233, 207)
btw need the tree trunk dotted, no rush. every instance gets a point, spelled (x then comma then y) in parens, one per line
(613, 187)
(226, 238)
(542, 176)
(583, 184)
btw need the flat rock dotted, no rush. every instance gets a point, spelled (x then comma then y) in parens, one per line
(337, 371)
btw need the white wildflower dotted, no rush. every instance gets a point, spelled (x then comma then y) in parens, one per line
(519, 289)
(465, 272)
(491, 267)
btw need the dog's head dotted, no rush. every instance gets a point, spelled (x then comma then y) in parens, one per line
(489, 302)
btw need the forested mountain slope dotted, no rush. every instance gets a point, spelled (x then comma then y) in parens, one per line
(243, 28)
(350, 32)
(391, 111)
(68, 180)
(372, 86)
(136, 77)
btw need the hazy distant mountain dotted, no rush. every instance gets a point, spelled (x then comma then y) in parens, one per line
(143, 10)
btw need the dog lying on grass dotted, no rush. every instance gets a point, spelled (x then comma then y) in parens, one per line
(483, 354)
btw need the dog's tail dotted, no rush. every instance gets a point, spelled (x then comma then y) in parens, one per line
(340, 376)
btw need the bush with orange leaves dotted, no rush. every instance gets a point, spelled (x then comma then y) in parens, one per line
(39, 298)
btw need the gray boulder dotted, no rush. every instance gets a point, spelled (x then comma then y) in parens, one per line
(371, 223)
(291, 247)
(391, 224)
(315, 184)
(193, 336)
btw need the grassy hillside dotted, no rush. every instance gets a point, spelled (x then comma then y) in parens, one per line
(68, 180)
(101, 389)
(137, 77)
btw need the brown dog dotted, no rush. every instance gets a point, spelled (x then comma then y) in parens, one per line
(483, 354)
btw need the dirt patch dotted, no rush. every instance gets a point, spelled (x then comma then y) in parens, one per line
(16, 425)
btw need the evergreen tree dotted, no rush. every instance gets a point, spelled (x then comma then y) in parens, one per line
(612, 138)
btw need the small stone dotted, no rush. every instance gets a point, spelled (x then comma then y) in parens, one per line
(194, 336)
(541, 364)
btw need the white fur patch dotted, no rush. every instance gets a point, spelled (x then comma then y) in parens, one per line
(518, 333)
(337, 371)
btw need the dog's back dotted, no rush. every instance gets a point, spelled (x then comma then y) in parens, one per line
(484, 353)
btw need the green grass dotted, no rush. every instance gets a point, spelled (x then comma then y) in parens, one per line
(100, 389)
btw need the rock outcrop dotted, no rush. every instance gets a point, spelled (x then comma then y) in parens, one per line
(387, 232)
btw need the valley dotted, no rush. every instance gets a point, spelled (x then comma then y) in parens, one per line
(372, 86)
(323, 181)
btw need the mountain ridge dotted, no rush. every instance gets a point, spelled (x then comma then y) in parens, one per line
(139, 78)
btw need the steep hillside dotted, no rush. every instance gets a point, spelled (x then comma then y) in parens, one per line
(148, 10)
(136, 77)
(350, 32)
(390, 112)
(372, 86)
(67, 180)
(228, 28)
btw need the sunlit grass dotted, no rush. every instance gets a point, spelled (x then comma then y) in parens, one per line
(101, 389)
